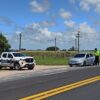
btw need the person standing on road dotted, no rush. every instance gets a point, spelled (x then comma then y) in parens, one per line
(96, 54)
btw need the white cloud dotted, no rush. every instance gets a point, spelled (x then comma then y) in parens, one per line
(37, 32)
(48, 23)
(65, 14)
(97, 9)
(87, 35)
(45, 33)
(35, 36)
(85, 6)
(70, 24)
(32, 26)
(42, 24)
(39, 7)
(90, 4)
(85, 28)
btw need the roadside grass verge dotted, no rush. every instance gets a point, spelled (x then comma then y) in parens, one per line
(50, 57)
(51, 61)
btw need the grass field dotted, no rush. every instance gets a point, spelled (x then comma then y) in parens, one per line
(50, 57)
(51, 61)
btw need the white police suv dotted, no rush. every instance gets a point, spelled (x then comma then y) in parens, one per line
(16, 60)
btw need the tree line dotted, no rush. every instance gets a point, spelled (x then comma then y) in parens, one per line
(4, 45)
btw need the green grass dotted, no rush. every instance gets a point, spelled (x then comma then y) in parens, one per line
(50, 57)
(51, 61)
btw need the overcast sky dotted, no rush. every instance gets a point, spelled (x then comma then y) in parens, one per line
(40, 21)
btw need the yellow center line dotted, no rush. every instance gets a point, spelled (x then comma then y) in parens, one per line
(62, 89)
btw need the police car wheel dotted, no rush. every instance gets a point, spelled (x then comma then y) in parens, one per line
(17, 67)
(30, 68)
(70, 65)
(11, 68)
(84, 63)
(0, 67)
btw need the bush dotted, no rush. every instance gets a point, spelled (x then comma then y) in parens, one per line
(52, 48)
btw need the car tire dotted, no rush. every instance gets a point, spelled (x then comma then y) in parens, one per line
(71, 65)
(0, 67)
(11, 68)
(84, 63)
(30, 68)
(17, 67)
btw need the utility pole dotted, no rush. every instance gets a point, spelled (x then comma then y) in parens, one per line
(20, 38)
(55, 43)
(75, 43)
(78, 40)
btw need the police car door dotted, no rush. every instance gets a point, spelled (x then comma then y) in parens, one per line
(9, 60)
(4, 59)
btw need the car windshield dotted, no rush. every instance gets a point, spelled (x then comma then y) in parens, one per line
(79, 55)
(19, 54)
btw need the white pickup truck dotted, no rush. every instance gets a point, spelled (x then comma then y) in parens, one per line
(16, 60)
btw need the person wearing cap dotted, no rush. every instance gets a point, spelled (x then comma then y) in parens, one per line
(96, 54)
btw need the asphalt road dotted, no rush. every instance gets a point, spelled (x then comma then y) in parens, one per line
(20, 88)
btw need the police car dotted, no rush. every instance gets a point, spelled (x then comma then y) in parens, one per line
(16, 60)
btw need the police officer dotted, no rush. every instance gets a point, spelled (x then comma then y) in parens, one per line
(96, 53)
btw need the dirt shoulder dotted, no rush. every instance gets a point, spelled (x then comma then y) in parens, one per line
(7, 73)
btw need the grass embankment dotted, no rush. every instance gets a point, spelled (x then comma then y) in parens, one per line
(50, 57)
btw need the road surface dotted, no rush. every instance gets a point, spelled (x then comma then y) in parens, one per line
(23, 88)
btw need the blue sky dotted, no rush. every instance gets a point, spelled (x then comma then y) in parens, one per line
(40, 21)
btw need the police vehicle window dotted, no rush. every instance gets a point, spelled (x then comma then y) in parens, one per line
(87, 56)
(79, 55)
(10, 56)
(19, 55)
(4, 55)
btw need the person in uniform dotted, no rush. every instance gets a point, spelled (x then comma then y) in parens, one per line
(96, 54)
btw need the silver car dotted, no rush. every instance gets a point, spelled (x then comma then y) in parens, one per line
(82, 59)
